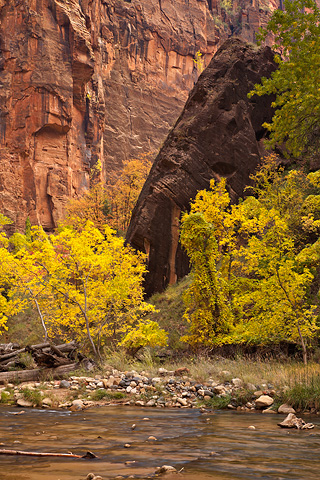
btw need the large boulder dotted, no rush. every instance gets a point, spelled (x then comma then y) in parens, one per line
(219, 133)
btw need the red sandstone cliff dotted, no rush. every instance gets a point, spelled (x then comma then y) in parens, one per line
(88, 79)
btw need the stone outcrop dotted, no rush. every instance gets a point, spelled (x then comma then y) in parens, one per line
(82, 80)
(219, 133)
(46, 129)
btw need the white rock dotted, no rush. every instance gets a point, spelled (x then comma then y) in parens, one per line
(284, 408)
(236, 382)
(251, 387)
(165, 469)
(264, 401)
(182, 401)
(78, 404)
(219, 389)
(162, 371)
(21, 402)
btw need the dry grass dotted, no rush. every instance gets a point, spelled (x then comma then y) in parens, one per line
(280, 375)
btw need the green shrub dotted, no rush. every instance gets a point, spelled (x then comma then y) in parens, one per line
(33, 396)
(6, 396)
(304, 391)
(217, 402)
(242, 396)
(102, 393)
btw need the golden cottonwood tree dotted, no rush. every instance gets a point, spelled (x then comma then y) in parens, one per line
(92, 206)
(110, 203)
(123, 193)
(10, 303)
(84, 283)
(207, 234)
(93, 283)
(259, 267)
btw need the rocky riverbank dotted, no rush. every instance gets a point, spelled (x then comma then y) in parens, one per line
(174, 389)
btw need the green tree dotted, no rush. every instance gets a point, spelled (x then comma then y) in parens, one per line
(296, 81)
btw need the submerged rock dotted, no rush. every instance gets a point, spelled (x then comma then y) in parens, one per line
(165, 469)
(291, 421)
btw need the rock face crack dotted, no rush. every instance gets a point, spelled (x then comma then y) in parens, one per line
(214, 136)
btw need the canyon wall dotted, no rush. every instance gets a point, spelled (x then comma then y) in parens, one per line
(219, 133)
(82, 80)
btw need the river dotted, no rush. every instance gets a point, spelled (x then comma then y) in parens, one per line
(217, 446)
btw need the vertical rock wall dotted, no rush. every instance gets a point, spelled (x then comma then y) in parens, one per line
(82, 80)
(46, 62)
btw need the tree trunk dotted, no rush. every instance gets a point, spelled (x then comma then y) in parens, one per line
(45, 454)
(37, 373)
(303, 345)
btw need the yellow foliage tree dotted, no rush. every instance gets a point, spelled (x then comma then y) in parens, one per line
(207, 235)
(10, 302)
(124, 192)
(252, 271)
(92, 283)
(85, 284)
(112, 203)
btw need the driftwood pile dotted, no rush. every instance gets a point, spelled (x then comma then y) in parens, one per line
(49, 358)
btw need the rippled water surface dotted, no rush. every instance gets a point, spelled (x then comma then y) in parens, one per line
(205, 446)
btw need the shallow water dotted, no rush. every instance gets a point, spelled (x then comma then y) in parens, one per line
(185, 439)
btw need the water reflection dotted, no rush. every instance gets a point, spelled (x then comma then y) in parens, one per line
(210, 446)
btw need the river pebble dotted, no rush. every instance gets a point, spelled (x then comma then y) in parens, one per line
(167, 389)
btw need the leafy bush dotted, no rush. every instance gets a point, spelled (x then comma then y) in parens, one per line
(33, 396)
(218, 402)
(102, 393)
(6, 396)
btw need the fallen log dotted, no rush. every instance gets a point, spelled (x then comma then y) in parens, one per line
(46, 347)
(46, 454)
(11, 355)
(37, 374)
